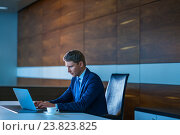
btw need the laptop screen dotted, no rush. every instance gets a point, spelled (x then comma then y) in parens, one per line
(24, 99)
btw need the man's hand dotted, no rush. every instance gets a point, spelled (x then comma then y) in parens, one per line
(45, 105)
(36, 103)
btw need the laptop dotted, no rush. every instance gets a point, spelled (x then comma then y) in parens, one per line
(25, 101)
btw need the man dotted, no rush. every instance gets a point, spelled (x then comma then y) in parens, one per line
(86, 91)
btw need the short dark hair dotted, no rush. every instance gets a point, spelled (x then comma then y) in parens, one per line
(74, 55)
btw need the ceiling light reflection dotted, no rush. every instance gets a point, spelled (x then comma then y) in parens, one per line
(126, 22)
(128, 47)
(173, 98)
(4, 8)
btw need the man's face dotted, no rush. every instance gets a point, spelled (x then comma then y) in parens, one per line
(75, 69)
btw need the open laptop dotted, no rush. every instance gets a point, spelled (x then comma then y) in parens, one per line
(26, 103)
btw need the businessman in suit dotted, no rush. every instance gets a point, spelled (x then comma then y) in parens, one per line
(86, 91)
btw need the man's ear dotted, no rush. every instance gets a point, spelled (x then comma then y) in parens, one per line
(81, 64)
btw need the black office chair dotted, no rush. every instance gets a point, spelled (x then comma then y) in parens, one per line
(115, 94)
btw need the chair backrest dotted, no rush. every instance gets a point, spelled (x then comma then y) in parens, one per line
(115, 94)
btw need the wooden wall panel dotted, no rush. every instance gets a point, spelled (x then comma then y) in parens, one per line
(29, 82)
(159, 27)
(97, 8)
(27, 26)
(127, 4)
(71, 38)
(128, 37)
(37, 93)
(31, 54)
(132, 100)
(51, 14)
(147, 1)
(160, 96)
(43, 82)
(20, 52)
(51, 48)
(160, 32)
(47, 82)
(71, 12)
(36, 13)
(101, 41)
(23, 25)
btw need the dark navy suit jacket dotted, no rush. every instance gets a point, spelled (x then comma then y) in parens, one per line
(92, 98)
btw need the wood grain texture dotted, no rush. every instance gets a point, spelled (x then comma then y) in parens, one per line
(71, 38)
(147, 1)
(132, 100)
(51, 48)
(51, 15)
(100, 40)
(127, 4)
(160, 96)
(43, 82)
(23, 23)
(29, 82)
(71, 12)
(160, 32)
(98, 8)
(31, 54)
(128, 37)
(36, 16)
(27, 26)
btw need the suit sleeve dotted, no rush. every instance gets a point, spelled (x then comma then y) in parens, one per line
(64, 98)
(93, 88)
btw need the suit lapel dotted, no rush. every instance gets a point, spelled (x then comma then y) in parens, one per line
(84, 80)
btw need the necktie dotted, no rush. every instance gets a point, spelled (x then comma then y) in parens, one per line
(77, 89)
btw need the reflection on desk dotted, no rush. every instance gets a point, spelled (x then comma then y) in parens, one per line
(8, 115)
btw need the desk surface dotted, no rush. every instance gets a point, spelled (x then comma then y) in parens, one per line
(8, 115)
(159, 111)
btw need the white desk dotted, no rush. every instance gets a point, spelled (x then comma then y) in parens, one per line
(8, 115)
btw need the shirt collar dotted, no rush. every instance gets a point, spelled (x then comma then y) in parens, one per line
(82, 75)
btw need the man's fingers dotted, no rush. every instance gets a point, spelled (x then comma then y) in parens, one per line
(42, 105)
(45, 104)
(36, 103)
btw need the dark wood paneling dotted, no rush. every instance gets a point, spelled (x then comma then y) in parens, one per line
(55, 82)
(27, 26)
(160, 96)
(51, 48)
(46, 82)
(128, 37)
(127, 4)
(131, 101)
(23, 23)
(101, 41)
(20, 52)
(29, 82)
(31, 54)
(43, 82)
(160, 32)
(37, 93)
(36, 16)
(51, 14)
(147, 1)
(97, 8)
(71, 12)
(71, 38)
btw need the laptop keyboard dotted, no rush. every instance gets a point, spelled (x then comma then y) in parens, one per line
(18, 109)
